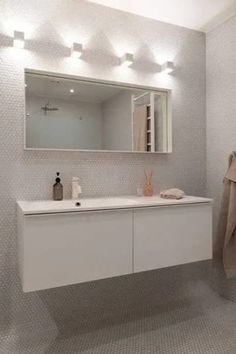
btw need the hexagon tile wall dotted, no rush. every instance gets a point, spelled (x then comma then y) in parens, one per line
(50, 28)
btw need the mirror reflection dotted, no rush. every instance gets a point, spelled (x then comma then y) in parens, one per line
(64, 113)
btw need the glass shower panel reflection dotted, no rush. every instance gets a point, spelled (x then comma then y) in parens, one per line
(150, 123)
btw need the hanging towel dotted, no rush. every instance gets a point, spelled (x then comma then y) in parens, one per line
(140, 128)
(226, 237)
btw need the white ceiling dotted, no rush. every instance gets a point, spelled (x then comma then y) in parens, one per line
(201, 15)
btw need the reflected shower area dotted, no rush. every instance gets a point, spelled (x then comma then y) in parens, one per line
(73, 114)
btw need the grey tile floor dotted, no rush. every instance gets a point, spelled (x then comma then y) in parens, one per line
(206, 325)
(193, 328)
(150, 320)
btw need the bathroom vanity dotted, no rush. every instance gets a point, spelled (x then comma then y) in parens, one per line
(60, 243)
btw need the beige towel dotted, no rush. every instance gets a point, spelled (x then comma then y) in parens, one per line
(225, 248)
(173, 193)
(140, 128)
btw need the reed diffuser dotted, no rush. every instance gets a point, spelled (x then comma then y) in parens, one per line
(148, 188)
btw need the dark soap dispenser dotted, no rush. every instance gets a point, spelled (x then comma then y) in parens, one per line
(58, 189)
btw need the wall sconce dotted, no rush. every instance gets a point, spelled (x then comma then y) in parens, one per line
(127, 59)
(167, 67)
(76, 50)
(19, 39)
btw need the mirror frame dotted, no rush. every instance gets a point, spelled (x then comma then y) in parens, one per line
(108, 83)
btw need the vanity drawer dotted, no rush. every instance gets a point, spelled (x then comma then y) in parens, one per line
(63, 249)
(172, 235)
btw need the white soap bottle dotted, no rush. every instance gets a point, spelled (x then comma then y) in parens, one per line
(76, 188)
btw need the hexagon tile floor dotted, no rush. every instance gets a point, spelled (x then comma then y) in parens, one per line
(194, 325)
(184, 329)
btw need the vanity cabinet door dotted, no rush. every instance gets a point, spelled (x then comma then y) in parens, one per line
(63, 249)
(170, 236)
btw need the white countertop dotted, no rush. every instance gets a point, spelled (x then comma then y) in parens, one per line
(109, 203)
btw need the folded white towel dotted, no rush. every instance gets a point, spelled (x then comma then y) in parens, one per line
(173, 193)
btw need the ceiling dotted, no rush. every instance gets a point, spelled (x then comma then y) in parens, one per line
(201, 15)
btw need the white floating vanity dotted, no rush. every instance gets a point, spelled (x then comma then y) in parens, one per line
(61, 244)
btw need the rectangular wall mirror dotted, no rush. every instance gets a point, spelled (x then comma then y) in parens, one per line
(63, 113)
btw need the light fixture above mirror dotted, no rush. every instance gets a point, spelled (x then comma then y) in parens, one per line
(19, 39)
(76, 50)
(167, 67)
(127, 59)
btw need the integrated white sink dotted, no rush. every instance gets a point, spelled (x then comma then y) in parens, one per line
(90, 204)
(108, 202)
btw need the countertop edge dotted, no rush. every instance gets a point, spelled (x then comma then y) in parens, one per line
(141, 205)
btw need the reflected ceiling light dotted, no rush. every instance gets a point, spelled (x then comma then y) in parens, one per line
(19, 39)
(76, 50)
(127, 59)
(72, 90)
(167, 67)
(26, 85)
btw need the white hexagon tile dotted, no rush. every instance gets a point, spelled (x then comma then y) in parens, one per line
(107, 316)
